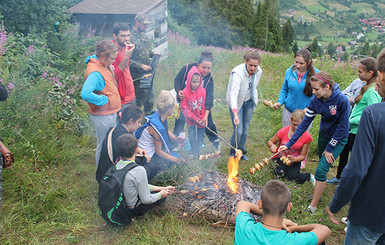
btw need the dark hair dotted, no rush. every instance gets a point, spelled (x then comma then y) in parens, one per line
(120, 26)
(305, 53)
(324, 78)
(126, 145)
(131, 112)
(252, 55)
(105, 48)
(275, 197)
(206, 56)
(380, 66)
(369, 64)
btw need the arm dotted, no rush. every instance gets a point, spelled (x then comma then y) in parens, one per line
(144, 189)
(125, 62)
(284, 91)
(235, 87)
(248, 207)
(187, 112)
(209, 94)
(301, 156)
(180, 79)
(322, 232)
(94, 82)
(272, 143)
(158, 146)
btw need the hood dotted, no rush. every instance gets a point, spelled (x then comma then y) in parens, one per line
(89, 57)
(192, 71)
(336, 91)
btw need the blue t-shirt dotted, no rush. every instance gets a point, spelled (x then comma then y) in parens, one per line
(247, 231)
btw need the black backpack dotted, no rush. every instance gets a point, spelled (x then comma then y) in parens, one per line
(113, 207)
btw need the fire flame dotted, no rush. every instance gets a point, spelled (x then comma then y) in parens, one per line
(232, 180)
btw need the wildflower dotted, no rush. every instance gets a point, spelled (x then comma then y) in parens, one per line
(30, 49)
(295, 187)
(39, 130)
(11, 86)
(44, 75)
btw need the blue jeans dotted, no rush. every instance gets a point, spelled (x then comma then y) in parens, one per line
(196, 136)
(357, 235)
(244, 115)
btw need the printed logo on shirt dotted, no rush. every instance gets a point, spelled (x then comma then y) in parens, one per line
(333, 142)
(333, 109)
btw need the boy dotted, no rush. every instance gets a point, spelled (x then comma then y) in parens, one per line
(140, 196)
(193, 108)
(274, 203)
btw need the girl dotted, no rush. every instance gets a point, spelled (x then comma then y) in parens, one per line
(333, 107)
(204, 66)
(193, 108)
(242, 97)
(130, 120)
(367, 73)
(296, 89)
(296, 154)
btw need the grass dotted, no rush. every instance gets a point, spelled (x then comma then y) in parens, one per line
(56, 203)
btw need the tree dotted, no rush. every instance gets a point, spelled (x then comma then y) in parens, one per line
(315, 48)
(331, 49)
(288, 35)
(295, 47)
(365, 49)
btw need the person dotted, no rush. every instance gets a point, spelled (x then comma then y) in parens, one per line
(100, 90)
(130, 120)
(121, 35)
(296, 89)
(368, 95)
(296, 154)
(139, 196)
(242, 98)
(140, 62)
(333, 107)
(154, 136)
(274, 229)
(3, 96)
(204, 66)
(362, 180)
(193, 108)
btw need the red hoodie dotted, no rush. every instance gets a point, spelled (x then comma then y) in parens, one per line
(193, 106)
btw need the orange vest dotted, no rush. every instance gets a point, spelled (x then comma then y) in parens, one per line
(110, 89)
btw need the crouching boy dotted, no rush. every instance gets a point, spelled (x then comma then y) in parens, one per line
(127, 180)
(274, 229)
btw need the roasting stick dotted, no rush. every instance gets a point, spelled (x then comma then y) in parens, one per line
(145, 76)
(238, 152)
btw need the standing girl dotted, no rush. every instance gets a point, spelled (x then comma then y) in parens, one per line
(333, 106)
(296, 89)
(242, 97)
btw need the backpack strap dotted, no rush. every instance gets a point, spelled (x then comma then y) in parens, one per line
(109, 145)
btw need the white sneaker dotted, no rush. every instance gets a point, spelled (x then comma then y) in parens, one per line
(312, 179)
(344, 220)
(311, 209)
(346, 229)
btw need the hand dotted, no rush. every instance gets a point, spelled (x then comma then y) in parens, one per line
(157, 53)
(286, 224)
(329, 157)
(128, 52)
(236, 120)
(291, 158)
(140, 151)
(164, 193)
(179, 139)
(277, 106)
(169, 189)
(282, 148)
(273, 148)
(206, 120)
(181, 95)
(331, 216)
(146, 67)
(180, 160)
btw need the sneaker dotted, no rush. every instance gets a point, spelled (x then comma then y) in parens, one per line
(333, 180)
(245, 158)
(346, 229)
(216, 145)
(311, 209)
(344, 220)
(312, 179)
(202, 146)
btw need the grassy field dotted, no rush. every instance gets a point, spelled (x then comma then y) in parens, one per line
(57, 204)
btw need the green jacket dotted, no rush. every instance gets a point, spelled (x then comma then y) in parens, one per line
(142, 53)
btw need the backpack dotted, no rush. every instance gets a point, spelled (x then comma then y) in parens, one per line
(113, 207)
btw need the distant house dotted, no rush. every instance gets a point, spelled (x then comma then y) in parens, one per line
(101, 15)
(352, 42)
(360, 35)
(291, 11)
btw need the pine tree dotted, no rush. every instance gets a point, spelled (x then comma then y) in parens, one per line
(288, 35)
(295, 47)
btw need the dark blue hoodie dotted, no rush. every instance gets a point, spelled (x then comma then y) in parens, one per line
(334, 118)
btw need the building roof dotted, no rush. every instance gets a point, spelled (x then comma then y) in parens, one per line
(114, 6)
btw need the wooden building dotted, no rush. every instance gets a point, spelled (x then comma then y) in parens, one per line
(101, 15)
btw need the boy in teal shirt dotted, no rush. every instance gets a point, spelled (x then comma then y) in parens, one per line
(274, 229)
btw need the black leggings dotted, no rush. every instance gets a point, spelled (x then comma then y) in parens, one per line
(344, 156)
(291, 172)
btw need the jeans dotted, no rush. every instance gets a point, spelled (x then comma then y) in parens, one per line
(102, 125)
(244, 114)
(196, 136)
(358, 235)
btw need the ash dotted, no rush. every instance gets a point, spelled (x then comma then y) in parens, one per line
(206, 194)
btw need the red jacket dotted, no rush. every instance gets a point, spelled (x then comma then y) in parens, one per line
(193, 106)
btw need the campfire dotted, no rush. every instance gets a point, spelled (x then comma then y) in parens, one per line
(207, 194)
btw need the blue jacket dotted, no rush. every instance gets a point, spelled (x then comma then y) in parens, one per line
(291, 94)
(362, 180)
(334, 118)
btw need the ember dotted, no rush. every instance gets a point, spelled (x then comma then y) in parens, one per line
(211, 197)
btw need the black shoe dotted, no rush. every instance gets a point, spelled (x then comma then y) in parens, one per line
(245, 158)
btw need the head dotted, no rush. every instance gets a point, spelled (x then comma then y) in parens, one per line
(165, 103)
(121, 33)
(296, 118)
(322, 85)
(195, 81)
(131, 118)
(141, 22)
(106, 52)
(303, 62)
(367, 72)
(126, 145)
(275, 199)
(205, 63)
(380, 82)
(252, 60)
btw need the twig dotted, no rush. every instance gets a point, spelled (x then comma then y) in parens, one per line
(227, 143)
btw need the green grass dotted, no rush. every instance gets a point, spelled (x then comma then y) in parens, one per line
(56, 202)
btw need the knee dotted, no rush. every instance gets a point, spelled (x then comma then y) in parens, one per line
(322, 170)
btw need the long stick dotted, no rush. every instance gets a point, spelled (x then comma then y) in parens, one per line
(227, 143)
